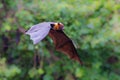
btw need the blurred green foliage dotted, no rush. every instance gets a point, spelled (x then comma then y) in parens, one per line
(93, 25)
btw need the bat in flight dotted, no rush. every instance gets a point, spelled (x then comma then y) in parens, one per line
(55, 30)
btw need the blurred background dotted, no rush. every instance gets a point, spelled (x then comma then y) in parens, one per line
(93, 25)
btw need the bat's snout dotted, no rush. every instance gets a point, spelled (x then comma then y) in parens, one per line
(61, 26)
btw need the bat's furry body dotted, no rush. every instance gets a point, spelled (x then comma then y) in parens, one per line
(64, 44)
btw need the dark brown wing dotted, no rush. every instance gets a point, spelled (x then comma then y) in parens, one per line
(64, 44)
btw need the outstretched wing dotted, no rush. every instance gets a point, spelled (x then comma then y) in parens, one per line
(64, 44)
(39, 31)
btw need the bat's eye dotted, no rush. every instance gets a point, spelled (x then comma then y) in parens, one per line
(52, 25)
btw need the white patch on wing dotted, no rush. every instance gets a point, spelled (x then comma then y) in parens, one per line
(39, 31)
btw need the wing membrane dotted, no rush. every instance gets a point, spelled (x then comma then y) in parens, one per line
(39, 31)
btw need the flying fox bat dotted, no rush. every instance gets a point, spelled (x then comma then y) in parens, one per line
(55, 30)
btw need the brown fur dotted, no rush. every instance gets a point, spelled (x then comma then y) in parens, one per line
(64, 44)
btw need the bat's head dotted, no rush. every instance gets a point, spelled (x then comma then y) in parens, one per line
(57, 26)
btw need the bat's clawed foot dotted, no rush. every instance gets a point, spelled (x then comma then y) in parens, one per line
(76, 58)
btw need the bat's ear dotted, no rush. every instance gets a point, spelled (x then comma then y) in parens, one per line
(52, 25)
